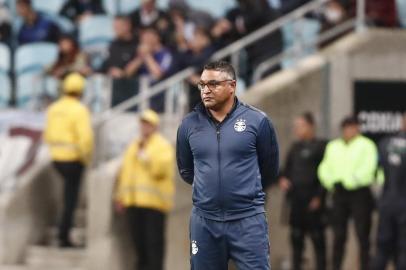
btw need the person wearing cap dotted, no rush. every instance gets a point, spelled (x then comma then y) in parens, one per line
(145, 190)
(347, 171)
(69, 135)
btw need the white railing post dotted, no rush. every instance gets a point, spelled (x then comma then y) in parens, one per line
(361, 16)
(143, 92)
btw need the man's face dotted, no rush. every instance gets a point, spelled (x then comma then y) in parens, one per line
(147, 129)
(149, 38)
(302, 129)
(23, 10)
(218, 88)
(350, 131)
(122, 27)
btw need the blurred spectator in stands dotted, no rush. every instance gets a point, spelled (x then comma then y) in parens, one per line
(199, 52)
(304, 192)
(70, 59)
(153, 61)
(333, 14)
(122, 50)
(36, 27)
(5, 25)
(199, 18)
(247, 17)
(287, 6)
(379, 12)
(76, 10)
(148, 15)
(144, 191)
(183, 31)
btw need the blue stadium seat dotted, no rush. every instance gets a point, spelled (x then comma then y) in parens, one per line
(305, 31)
(28, 89)
(217, 8)
(119, 7)
(48, 6)
(34, 57)
(96, 30)
(64, 24)
(5, 91)
(401, 8)
(95, 35)
(4, 58)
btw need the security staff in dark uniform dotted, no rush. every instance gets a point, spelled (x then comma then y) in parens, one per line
(391, 240)
(304, 191)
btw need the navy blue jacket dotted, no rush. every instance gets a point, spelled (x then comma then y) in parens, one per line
(227, 163)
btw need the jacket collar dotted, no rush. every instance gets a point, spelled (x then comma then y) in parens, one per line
(203, 110)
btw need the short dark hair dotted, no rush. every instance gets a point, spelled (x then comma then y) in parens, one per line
(24, 2)
(308, 117)
(222, 66)
(351, 120)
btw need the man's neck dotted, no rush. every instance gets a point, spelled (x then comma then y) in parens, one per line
(222, 112)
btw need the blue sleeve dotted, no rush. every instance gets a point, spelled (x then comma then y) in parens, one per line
(184, 156)
(268, 153)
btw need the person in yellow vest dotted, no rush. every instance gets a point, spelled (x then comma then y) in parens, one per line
(348, 171)
(69, 135)
(145, 190)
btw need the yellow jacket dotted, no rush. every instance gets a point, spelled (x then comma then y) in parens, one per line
(146, 177)
(68, 131)
(352, 164)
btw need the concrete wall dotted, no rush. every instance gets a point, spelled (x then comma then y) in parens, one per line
(109, 243)
(27, 213)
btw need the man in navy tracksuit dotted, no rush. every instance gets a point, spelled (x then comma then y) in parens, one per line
(391, 240)
(228, 152)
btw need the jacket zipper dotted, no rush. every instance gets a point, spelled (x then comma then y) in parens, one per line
(219, 169)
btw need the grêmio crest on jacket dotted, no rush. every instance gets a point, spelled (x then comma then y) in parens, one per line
(240, 125)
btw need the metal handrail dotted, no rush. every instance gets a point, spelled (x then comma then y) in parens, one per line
(272, 62)
(136, 100)
(267, 29)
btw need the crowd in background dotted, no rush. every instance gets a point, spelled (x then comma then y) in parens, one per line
(158, 43)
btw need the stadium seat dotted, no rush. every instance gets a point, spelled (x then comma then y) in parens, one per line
(28, 90)
(64, 24)
(304, 31)
(48, 6)
(401, 8)
(119, 7)
(95, 35)
(4, 58)
(5, 91)
(216, 8)
(34, 57)
(96, 30)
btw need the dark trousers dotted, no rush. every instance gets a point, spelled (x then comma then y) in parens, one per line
(147, 228)
(391, 240)
(71, 173)
(357, 204)
(244, 241)
(304, 222)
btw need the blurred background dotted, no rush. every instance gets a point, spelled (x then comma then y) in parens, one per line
(332, 58)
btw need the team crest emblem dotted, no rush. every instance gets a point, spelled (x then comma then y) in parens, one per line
(240, 125)
(195, 249)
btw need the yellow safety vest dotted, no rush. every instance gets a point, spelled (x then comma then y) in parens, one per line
(68, 131)
(352, 164)
(146, 177)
